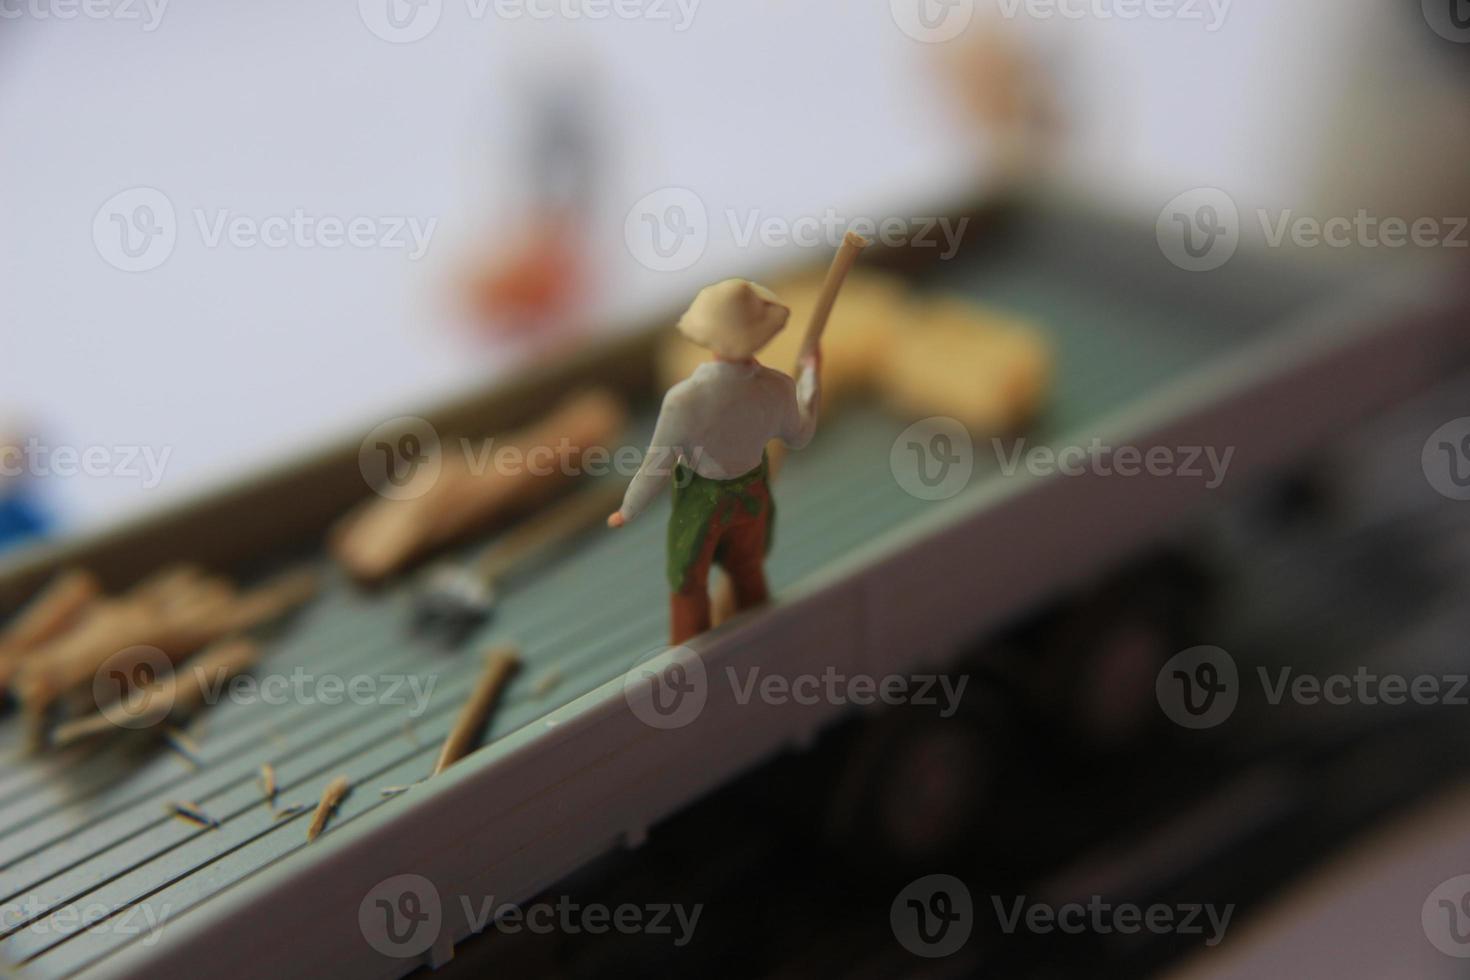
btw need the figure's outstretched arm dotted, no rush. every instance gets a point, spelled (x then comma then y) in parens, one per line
(664, 452)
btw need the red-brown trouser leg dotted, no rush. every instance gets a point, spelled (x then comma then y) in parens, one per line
(743, 555)
(689, 607)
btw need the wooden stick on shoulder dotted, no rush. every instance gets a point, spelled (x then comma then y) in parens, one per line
(852, 244)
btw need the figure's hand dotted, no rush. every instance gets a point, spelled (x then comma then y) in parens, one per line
(615, 519)
(808, 379)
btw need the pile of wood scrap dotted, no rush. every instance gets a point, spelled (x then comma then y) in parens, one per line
(919, 355)
(56, 648)
(482, 485)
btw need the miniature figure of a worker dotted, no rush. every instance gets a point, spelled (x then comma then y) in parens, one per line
(711, 437)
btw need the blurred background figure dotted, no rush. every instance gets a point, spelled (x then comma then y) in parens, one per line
(535, 274)
(22, 518)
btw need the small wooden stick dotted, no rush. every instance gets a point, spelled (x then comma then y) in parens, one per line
(183, 746)
(546, 683)
(168, 584)
(51, 612)
(268, 783)
(543, 532)
(331, 796)
(272, 599)
(852, 244)
(194, 813)
(500, 664)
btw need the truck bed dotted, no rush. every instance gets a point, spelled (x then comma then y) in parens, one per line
(867, 578)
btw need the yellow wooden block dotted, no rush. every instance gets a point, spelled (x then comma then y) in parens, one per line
(988, 370)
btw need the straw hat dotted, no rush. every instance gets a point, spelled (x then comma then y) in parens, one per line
(734, 318)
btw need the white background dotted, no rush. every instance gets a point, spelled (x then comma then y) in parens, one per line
(232, 358)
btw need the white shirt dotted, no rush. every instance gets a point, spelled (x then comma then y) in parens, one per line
(718, 421)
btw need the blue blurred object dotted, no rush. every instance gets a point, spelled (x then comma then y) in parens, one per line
(21, 519)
